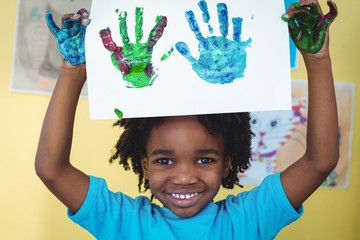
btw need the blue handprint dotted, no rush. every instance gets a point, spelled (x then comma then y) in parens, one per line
(221, 60)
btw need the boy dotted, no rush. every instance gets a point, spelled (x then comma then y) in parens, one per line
(184, 160)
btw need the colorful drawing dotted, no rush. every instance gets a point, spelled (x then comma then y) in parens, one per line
(134, 60)
(222, 71)
(301, 26)
(280, 137)
(272, 129)
(221, 60)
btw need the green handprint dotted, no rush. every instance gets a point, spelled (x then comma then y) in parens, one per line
(134, 60)
(308, 26)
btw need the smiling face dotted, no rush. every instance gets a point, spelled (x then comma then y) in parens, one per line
(185, 165)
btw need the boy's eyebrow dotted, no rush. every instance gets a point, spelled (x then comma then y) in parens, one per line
(161, 152)
(207, 151)
(171, 152)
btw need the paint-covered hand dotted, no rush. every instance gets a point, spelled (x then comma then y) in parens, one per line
(71, 37)
(308, 26)
(134, 60)
(221, 60)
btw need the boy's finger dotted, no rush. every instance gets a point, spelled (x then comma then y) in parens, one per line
(84, 16)
(294, 29)
(333, 12)
(312, 6)
(51, 24)
(67, 20)
(290, 12)
(85, 21)
(83, 13)
(67, 23)
(76, 24)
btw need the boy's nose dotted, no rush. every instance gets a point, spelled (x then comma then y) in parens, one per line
(184, 175)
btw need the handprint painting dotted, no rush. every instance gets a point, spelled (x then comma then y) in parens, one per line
(153, 58)
(134, 60)
(221, 60)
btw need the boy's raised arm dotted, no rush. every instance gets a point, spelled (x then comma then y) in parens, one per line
(52, 161)
(302, 178)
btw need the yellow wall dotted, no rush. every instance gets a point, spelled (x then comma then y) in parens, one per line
(29, 211)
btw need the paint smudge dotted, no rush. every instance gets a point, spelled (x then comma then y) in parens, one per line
(118, 113)
(221, 60)
(134, 60)
(308, 26)
(167, 54)
(70, 39)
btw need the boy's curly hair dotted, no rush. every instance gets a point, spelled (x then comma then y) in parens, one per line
(233, 127)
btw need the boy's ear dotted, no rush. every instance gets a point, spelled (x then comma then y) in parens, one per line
(227, 165)
(144, 165)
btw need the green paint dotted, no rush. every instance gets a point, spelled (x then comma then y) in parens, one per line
(139, 24)
(137, 56)
(118, 113)
(167, 54)
(123, 27)
(297, 5)
(308, 26)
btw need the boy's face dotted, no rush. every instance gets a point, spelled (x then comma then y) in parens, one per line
(185, 165)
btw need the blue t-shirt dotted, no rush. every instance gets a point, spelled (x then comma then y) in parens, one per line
(257, 214)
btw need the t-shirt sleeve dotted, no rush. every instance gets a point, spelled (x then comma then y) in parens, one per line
(102, 210)
(267, 208)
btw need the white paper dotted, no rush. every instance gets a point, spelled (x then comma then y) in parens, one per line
(178, 90)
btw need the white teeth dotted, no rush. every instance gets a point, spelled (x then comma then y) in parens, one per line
(184, 196)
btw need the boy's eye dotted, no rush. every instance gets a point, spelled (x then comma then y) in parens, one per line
(204, 161)
(164, 161)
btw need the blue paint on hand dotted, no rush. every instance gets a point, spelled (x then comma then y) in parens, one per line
(221, 60)
(70, 38)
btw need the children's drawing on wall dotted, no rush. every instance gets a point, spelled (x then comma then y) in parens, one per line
(36, 58)
(201, 41)
(280, 136)
(273, 129)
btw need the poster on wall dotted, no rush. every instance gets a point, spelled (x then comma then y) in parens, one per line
(280, 137)
(152, 58)
(37, 61)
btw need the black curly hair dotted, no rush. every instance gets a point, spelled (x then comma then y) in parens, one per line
(233, 127)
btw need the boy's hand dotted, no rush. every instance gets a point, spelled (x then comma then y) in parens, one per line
(308, 26)
(134, 60)
(71, 37)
